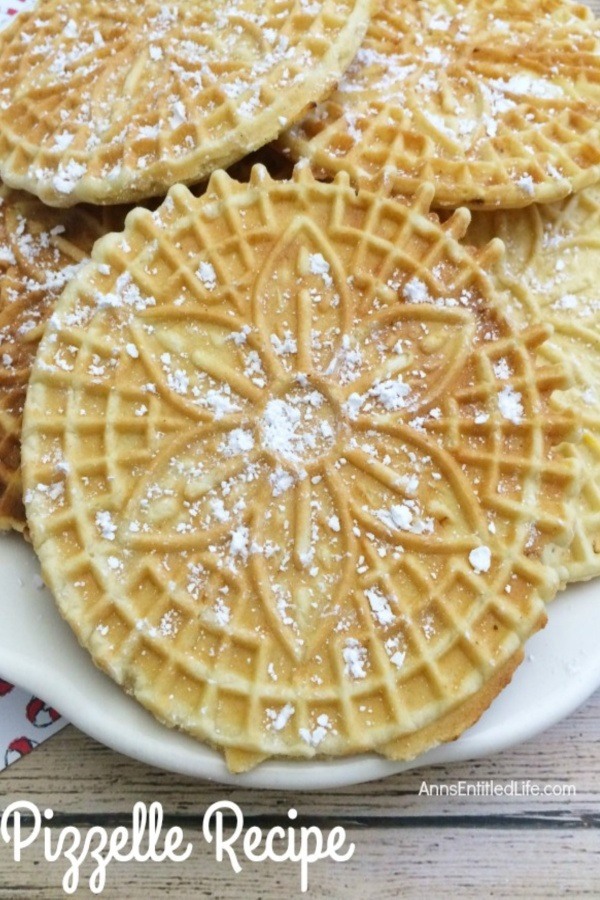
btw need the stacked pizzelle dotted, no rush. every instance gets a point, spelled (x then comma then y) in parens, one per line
(302, 459)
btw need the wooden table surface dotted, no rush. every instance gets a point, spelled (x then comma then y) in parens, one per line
(406, 845)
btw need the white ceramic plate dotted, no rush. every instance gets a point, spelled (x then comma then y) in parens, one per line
(39, 652)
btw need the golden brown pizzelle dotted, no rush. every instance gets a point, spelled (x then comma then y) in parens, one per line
(113, 101)
(550, 274)
(40, 250)
(293, 477)
(496, 102)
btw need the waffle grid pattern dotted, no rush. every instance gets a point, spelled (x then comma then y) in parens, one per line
(108, 102)
(250, 649)
(496, 104)
(40, 249)
(550, 275)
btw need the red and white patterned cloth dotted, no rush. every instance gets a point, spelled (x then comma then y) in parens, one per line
(10, 8)
(25, 721)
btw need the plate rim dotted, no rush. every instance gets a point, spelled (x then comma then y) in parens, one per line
(491, 735)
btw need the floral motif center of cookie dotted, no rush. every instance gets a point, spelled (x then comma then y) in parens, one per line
(299, 426)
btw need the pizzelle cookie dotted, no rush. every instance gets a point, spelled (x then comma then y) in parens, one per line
(551, 275)
(110, 102)
(40, 250)
(293, 478)
(496, 102)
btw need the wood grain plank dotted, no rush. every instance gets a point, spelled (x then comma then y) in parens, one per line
(73, 774)
(404, 862)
